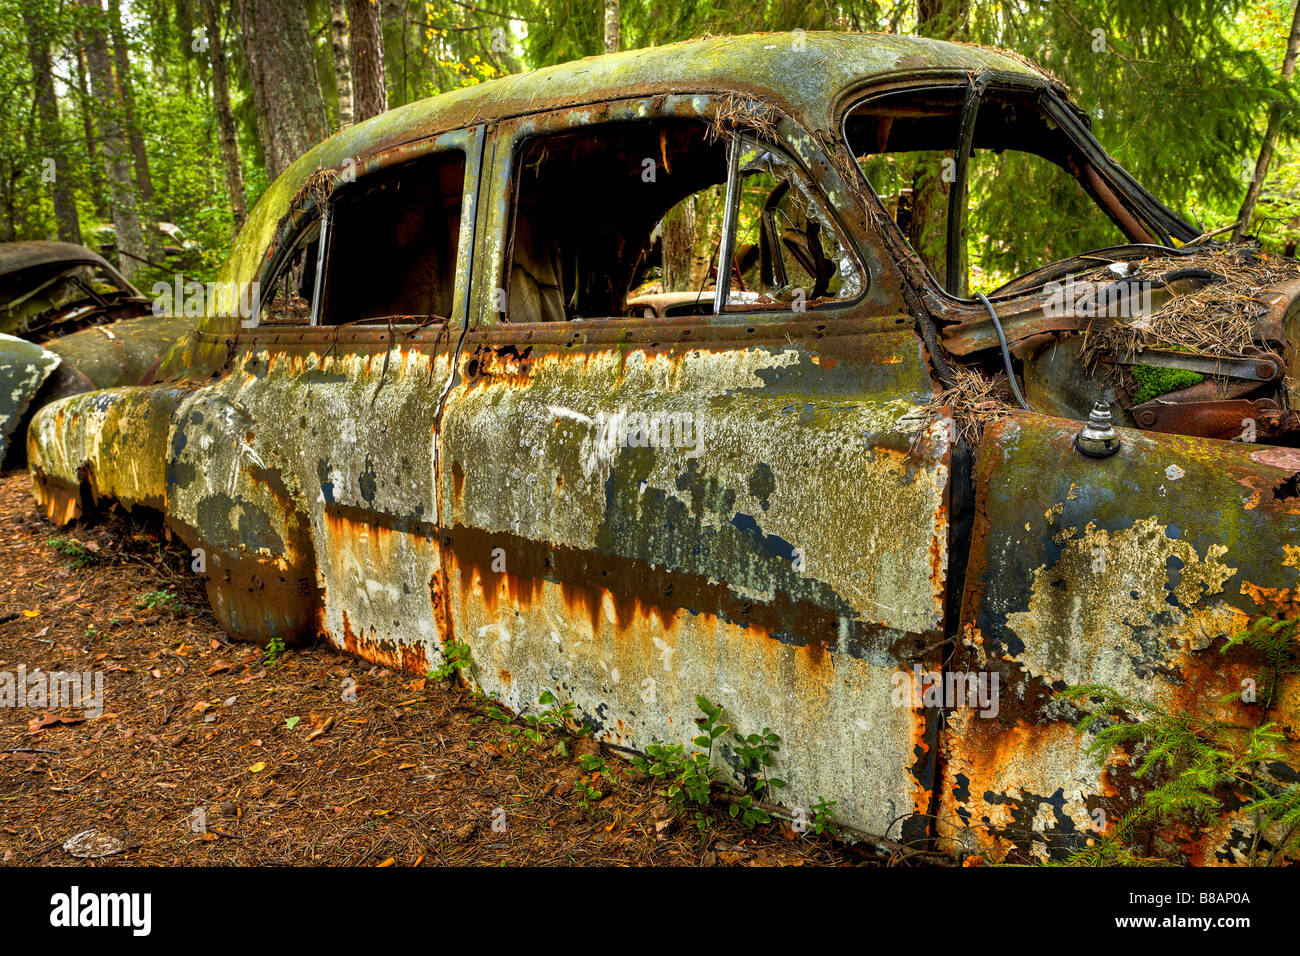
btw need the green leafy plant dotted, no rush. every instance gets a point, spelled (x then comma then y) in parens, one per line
(756, 753)
(688, 777)
(455, 657)
(594, 771)
(164, 601)
(73, 551)
(274, 648)
(535, 727)
(554, 717)
(822, 820)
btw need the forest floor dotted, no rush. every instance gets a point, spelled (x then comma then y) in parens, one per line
(209, 752)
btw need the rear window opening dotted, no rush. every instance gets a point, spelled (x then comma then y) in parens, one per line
(393, 245)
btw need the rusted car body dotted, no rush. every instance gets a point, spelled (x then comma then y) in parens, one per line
(444, 425)
(69, 323)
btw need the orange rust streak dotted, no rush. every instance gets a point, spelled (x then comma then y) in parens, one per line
(404, 657)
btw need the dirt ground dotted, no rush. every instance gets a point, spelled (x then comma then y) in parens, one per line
(208, 753)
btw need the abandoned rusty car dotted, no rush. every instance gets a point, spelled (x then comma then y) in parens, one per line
(811, 472)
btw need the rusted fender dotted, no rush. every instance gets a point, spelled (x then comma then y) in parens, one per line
(120, 353)
(1131, 572)
(233, 494)
(24, 367)
(105, 444)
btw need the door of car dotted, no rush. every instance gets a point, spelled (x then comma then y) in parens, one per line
(310, 469)
(746, 506)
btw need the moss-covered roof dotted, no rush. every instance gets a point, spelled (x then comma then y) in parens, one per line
(803, 74)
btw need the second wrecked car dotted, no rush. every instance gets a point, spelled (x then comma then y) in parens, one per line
(69, 323)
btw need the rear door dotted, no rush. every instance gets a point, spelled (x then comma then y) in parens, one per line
(323, 440)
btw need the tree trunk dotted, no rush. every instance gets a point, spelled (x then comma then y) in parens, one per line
(342, 67)
(679, 246)
(126, 218)
(135, 137)
(367, 49)
(286, 91)
(225, 116)
(943, 19)
(95, 171)
(47, 105)
(611, 26)
(1247, 211)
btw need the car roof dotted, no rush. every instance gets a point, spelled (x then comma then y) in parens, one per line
(17, 256)
(803, 74)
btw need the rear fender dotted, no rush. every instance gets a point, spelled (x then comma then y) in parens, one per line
(229, 499)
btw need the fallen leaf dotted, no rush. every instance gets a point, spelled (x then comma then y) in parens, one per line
(51, 720)
(324, 728)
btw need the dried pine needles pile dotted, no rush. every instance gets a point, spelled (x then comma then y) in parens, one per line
(1209, 302)
(976, 401)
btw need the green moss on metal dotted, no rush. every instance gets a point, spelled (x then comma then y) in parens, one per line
(1154, 381)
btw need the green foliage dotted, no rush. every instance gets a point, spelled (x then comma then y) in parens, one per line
(1276, 642)
(689, 777)
(594, 770)
(274, 648)
(756, 753)
(1154, 381)
(823, 821)
(73, 551)
(1131, 65)
(455, 657)
(537, 726)
(1202, 768)
(164, 601)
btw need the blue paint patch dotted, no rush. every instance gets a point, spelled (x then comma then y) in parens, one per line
(771, 543)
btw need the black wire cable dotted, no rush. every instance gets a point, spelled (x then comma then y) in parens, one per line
(1006, 354)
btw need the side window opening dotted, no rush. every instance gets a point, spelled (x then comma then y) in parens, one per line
(626, 219)
(393, 244)
(288, 298)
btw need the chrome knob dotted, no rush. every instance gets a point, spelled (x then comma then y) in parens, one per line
(1098, 438)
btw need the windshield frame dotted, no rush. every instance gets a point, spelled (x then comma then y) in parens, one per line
(1074, 125)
